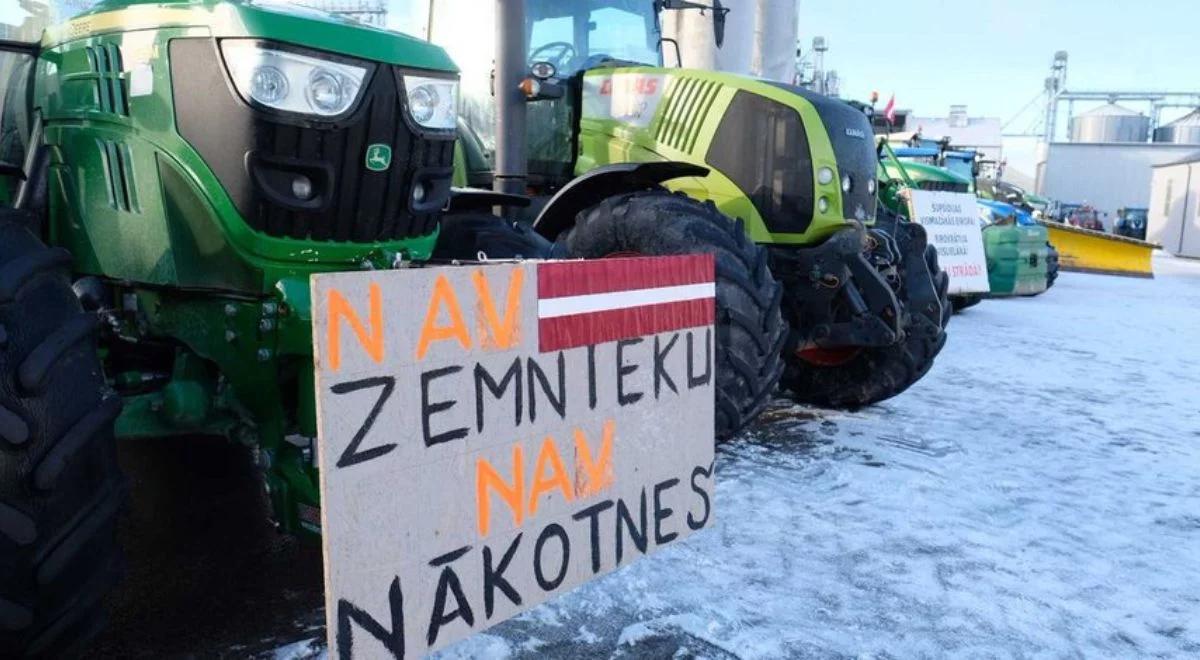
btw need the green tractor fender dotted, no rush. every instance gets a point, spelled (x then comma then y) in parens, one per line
(594, 186)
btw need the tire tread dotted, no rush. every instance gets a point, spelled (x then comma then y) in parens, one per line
(60, 486)
(750, 327)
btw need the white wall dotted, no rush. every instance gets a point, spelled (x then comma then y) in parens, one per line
(1107, 176)
(1174, 219)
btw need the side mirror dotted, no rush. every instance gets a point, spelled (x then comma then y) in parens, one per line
(718, 10)
(719, 22)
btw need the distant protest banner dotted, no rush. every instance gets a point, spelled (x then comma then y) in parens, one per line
(493, 435)
(952, 222)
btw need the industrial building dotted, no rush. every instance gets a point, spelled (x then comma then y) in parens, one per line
(1108, 161)
(1107, 158)
(1174, 218)
(983, 134)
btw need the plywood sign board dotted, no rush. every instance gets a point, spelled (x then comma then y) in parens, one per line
(494, 435)
(951, 221)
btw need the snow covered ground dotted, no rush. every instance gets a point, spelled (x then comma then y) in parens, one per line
(1038, 494)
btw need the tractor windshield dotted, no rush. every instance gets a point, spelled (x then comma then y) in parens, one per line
(24, 20)
(961, 166)
(579, 34)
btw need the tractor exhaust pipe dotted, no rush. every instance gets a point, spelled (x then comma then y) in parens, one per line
(511, 165)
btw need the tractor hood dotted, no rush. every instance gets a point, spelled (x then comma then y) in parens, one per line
(927, 177)
(798, 165)
(276, 20)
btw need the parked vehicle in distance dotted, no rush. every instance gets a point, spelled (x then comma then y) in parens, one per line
(1085, 217)
(1131, 223)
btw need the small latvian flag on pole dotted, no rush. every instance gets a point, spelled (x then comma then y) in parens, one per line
(581, 303)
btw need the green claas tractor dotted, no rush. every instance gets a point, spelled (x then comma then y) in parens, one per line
(576, 103)
(172, 172)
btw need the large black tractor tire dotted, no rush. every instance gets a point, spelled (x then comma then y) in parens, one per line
(1051, 265)
(871, 375)
(60, 486)
(478, 236)
(750, 331)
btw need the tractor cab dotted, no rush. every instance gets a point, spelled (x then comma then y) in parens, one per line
(1131, 223)
(562, 41)
(574, 37)
(962, 163)
(20, 31)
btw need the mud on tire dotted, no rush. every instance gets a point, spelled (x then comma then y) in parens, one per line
(749, 329)
(60, 487)
(878, 374)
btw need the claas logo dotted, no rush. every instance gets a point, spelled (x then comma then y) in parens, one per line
(631, 85)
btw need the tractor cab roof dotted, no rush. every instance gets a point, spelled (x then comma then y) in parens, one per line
(542, 9)
(1004, 210)
(916, 152)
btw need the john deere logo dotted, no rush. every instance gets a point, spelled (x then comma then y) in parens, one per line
(379, 157)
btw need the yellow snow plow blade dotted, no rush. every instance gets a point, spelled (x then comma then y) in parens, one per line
(1090, 251)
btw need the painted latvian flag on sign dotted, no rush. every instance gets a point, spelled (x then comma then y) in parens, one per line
(581, 303)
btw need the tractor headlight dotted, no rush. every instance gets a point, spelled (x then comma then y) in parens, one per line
(847, 184)
(292, 82)
(432, 102)
(825, 176)
(871, 186)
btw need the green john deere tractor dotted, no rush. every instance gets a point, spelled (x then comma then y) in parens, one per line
(172, 172)
(578, 104)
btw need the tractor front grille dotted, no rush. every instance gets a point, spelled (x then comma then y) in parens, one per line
(686, 106)
(260, 156)
(944, 186)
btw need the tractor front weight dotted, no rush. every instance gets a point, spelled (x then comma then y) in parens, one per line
(841, 291)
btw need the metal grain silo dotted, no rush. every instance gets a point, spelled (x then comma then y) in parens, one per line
(1185, 130)
(1110, 123)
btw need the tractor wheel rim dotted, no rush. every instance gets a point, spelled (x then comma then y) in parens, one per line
(828, 357)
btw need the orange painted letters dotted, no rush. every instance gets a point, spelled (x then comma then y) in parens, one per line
(487, 479)
(338, 309)
(494, 333)
(443, 296)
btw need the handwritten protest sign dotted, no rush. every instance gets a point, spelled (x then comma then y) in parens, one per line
(952, 223)
(494, 435)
